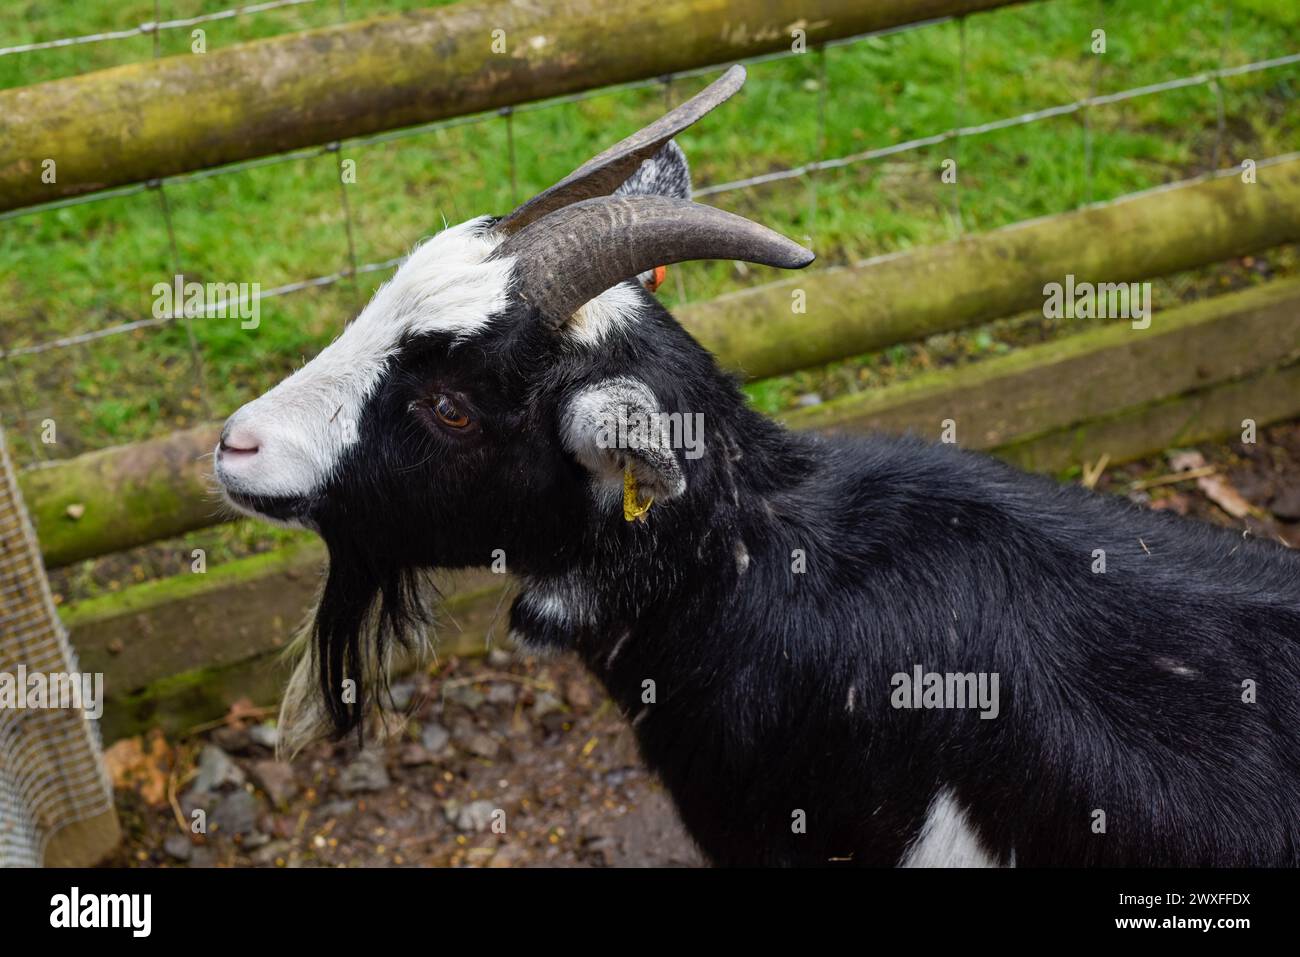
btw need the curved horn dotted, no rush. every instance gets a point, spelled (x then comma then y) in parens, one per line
(572, 255)
(606, 172)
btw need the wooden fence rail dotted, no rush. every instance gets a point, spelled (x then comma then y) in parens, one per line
(168, 116)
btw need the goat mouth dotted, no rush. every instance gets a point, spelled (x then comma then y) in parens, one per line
(288, 509)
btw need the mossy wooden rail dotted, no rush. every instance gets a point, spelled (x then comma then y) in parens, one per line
(174, 650)
(136, 494)
(158, 118)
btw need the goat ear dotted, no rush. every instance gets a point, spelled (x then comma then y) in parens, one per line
(615, 426)
(665, 174)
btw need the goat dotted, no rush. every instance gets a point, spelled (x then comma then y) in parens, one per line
(790, 622)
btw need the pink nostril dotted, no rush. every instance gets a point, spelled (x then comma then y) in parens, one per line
(239, 442)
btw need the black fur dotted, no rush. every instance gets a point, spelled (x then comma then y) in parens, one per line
(1120, 692)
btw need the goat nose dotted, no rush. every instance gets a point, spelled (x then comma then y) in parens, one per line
(239, 441)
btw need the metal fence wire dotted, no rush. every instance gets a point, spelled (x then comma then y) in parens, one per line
(809, 171)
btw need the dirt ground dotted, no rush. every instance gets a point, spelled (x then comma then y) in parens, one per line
(505, 761)
(511, 761)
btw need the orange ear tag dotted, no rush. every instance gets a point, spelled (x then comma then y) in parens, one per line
(658, 279)
(634, 510)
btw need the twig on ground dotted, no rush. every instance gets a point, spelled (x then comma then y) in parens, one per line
(1173, 478)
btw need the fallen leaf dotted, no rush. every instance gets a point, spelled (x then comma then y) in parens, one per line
(136, 766)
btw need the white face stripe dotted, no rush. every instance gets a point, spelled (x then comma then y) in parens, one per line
(448, 284)
(947, 839)
(306, 423)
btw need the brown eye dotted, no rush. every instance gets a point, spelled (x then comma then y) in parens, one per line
(448, 414)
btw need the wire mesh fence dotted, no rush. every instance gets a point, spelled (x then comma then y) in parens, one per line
(150, 27)
(51, 775)
(32, 398)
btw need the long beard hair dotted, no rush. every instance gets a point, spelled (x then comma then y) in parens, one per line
(369, 612)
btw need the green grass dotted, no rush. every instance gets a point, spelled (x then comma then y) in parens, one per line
(86, 267)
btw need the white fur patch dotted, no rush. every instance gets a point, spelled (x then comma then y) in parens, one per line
(563, 601)
(548, 606)
(946, 839)
(614, 310)
(742, 557)
(306, 423)
(590, 429)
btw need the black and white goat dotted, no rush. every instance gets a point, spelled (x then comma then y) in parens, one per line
(792, 626)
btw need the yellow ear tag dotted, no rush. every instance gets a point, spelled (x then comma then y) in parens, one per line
(634, 510)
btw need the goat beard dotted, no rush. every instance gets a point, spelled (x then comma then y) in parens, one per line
(368, 614)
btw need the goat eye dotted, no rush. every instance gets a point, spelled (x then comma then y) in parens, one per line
(448, 414)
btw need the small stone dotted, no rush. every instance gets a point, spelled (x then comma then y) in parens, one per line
(413, 755)
(216, 770)
(546, 703)
(236, 813)
(434, 737)
(269, 853)
(475, 816)
(276, 780)
(251, 842)
(466, 695)
(617, 777)
(482, 745)
(231, 740)
(578, 694)
(808, 399)
(501, 692)
(402, 694)
(192, 801)
(267, 735)
(178, 847)
(499, 658)
(476, 742)
(366, 773)
(75, 511)
(509, 855)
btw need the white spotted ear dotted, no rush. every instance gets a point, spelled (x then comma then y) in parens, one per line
(617, 425)
(665, 174)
